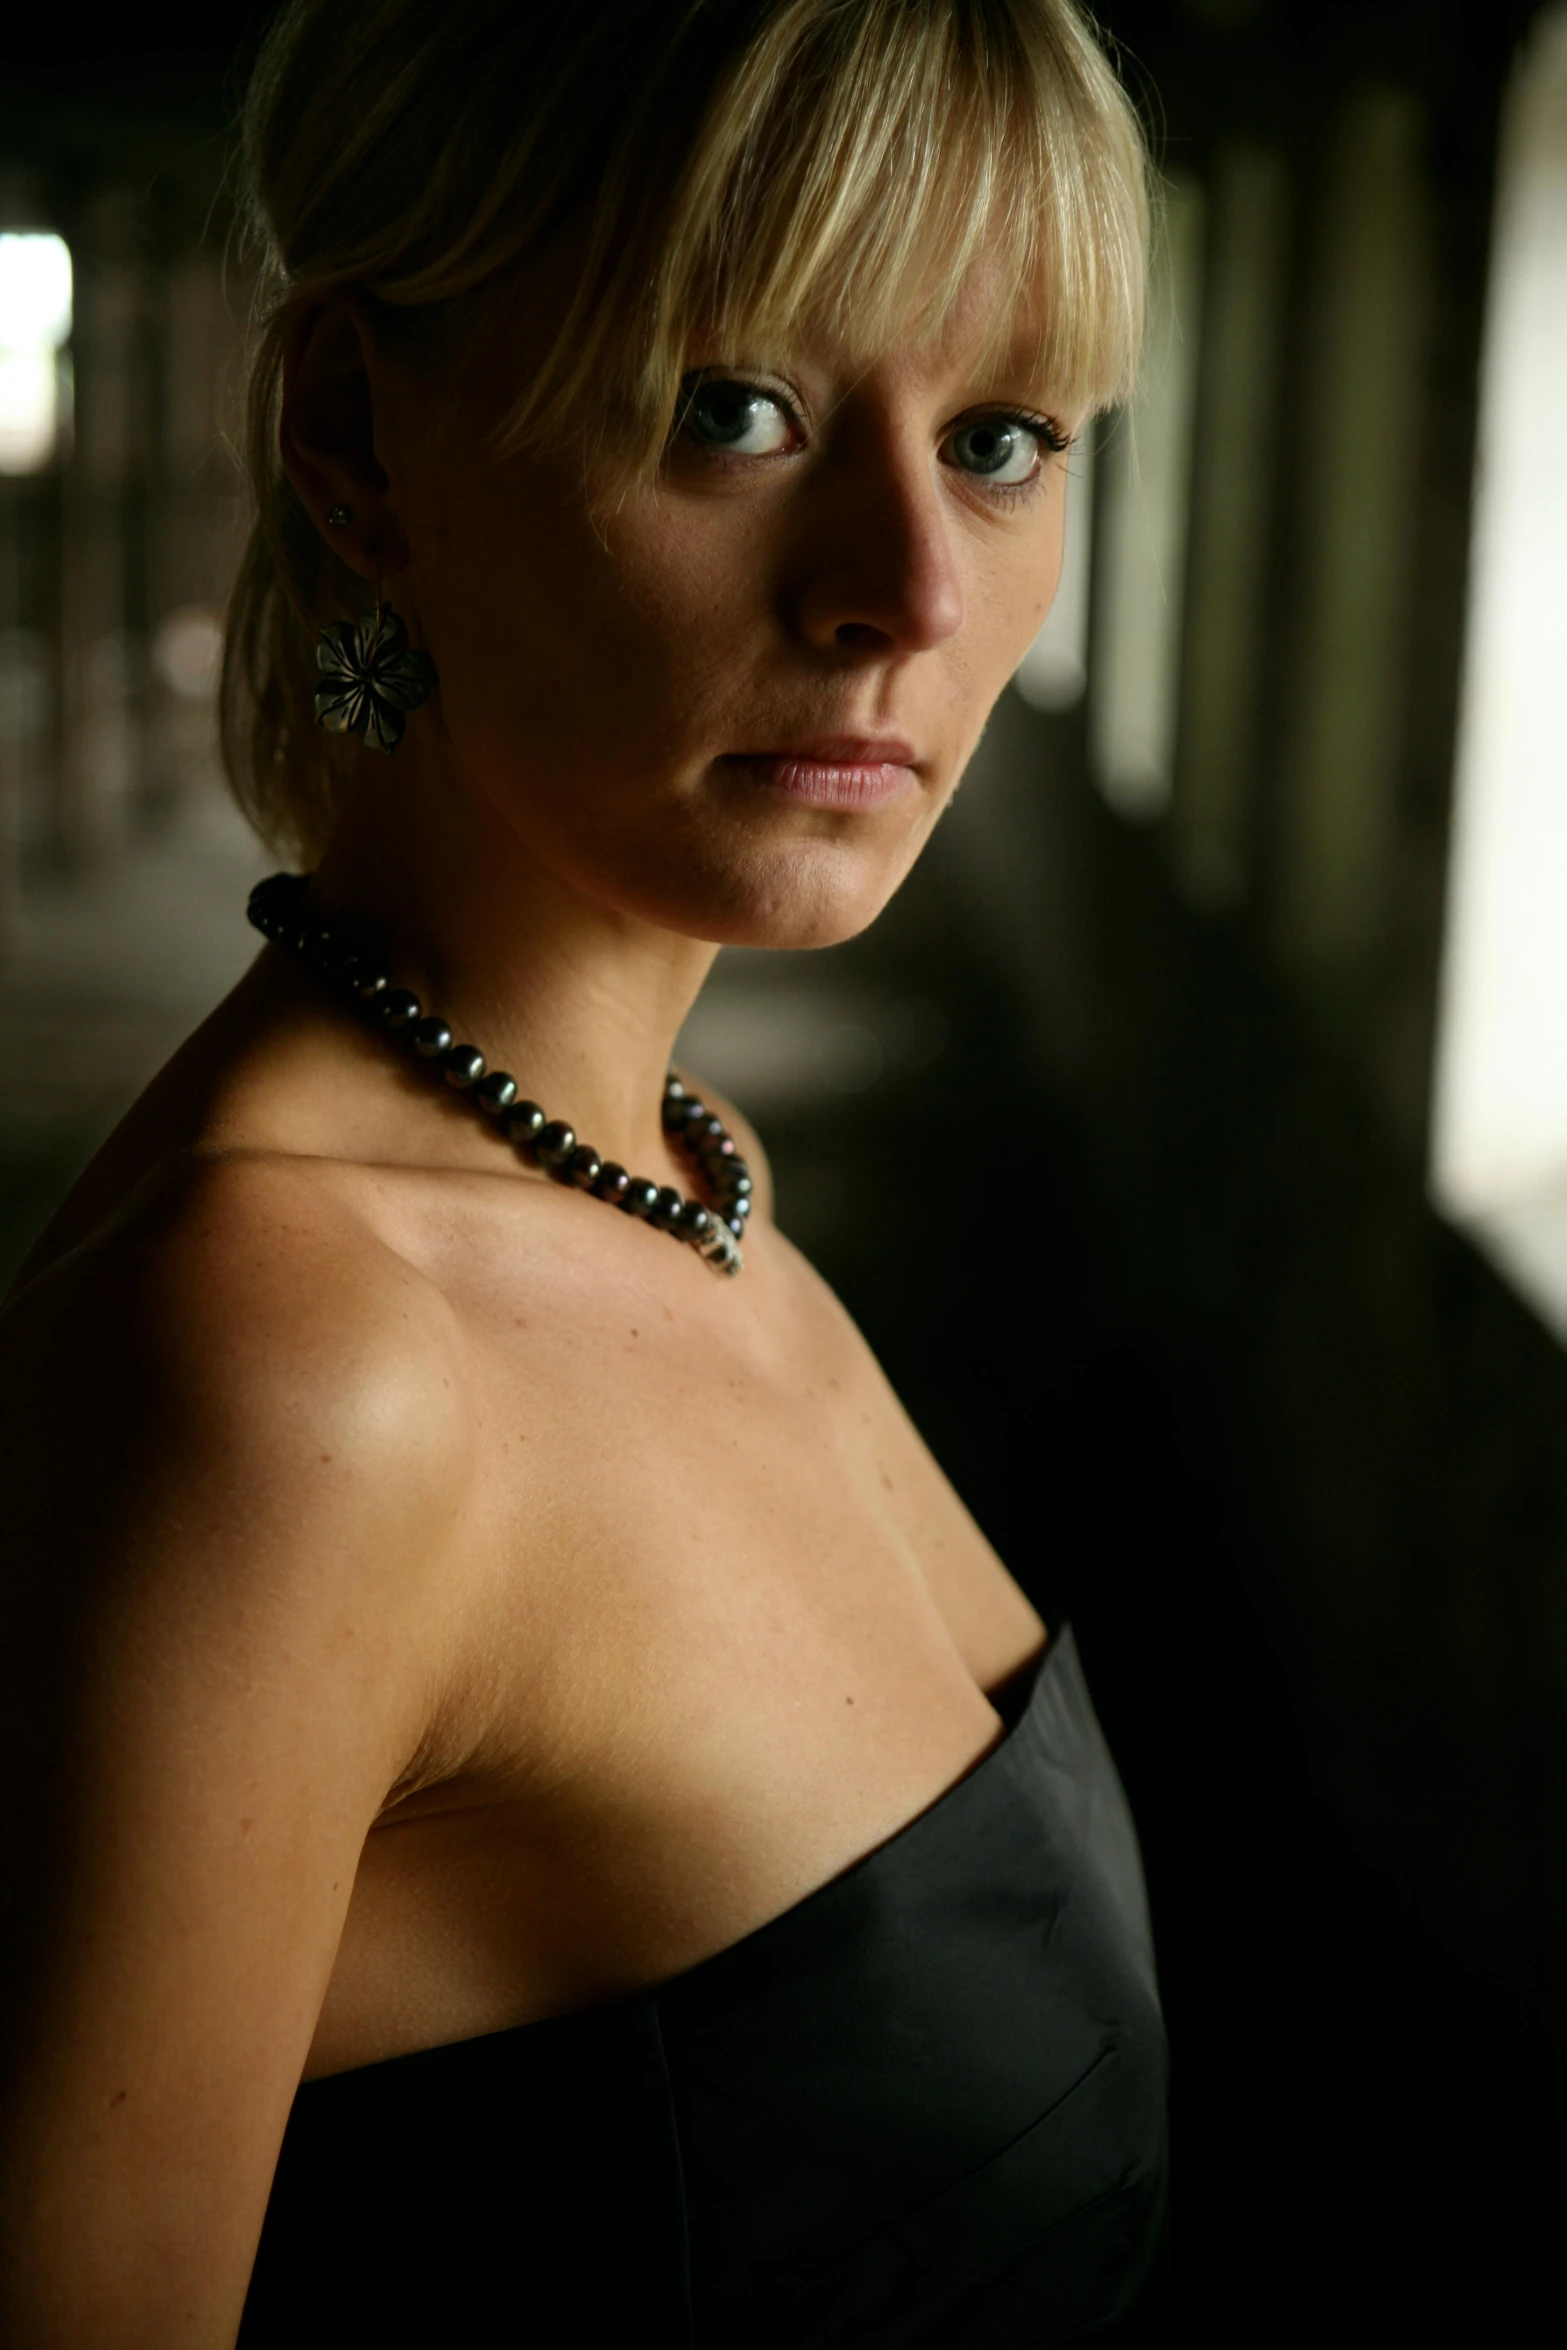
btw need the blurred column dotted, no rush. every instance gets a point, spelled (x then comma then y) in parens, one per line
(1145, 459)
(103, 645)
(1232, 523)
(29, 536)
(194, 522)
(1356, 450)
(11, 784)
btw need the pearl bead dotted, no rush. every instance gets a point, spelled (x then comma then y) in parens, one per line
(496, 1092)
(612, 1183)
(555, 1142)
(641, 1197)
(399, 1008)
(584, 1166)
(335, 955)
(463, 1065)
(432, 1036)
(667, 1210)
(523, 1123)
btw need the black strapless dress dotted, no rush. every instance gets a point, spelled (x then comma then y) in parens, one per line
(925, 2106)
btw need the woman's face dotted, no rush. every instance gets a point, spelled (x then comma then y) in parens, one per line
(734, 699)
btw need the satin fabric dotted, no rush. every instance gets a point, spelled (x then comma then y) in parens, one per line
(924, 2107)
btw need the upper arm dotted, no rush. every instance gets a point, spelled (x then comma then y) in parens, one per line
(225, 1460)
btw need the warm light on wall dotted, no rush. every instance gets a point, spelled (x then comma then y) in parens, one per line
(35, 324)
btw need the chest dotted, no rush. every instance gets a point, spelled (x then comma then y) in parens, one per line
(715, 1625)
(710, 1485)
(710, 1581)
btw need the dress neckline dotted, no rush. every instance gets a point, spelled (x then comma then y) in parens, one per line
(742, 1951)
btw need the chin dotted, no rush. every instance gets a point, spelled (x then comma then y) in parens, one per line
(796, 927)
(799, 894)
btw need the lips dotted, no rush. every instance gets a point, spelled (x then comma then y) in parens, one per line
(833, 771)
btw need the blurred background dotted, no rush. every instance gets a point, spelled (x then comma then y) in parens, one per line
(1189, 1138)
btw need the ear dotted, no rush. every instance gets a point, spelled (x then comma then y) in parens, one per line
(327, 436)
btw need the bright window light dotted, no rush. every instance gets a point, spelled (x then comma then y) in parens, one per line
(35, 291)
(1499, 1153)
(35, 322)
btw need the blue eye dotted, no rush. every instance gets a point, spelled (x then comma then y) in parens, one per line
(736, 416)
(998, 449)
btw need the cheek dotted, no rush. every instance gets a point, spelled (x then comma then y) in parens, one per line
(1031, 589)
(541, 620)
(684, 590)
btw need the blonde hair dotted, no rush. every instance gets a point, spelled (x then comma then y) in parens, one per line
(745, 165)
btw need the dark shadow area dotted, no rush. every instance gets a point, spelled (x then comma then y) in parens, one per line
(1226, 1394)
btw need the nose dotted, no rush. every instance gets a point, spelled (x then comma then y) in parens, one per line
(879, 575)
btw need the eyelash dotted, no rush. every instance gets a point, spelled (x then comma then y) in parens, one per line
(1053, 433)
(1053, 438)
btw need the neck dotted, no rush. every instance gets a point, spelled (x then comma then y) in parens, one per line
(580, 1002)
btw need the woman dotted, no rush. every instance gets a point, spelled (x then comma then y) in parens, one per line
(462, 1656)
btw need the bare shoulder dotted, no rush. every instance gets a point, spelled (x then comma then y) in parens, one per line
(746, 1137)
(235, 1332)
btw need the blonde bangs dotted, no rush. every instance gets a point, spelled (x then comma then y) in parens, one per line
(853, 169)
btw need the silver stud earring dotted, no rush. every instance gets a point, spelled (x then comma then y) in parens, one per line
(373, 677)
(339, 518)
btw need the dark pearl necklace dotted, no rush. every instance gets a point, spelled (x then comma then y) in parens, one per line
(280, 909)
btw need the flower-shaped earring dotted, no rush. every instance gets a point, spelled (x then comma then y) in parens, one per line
(374, 677)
